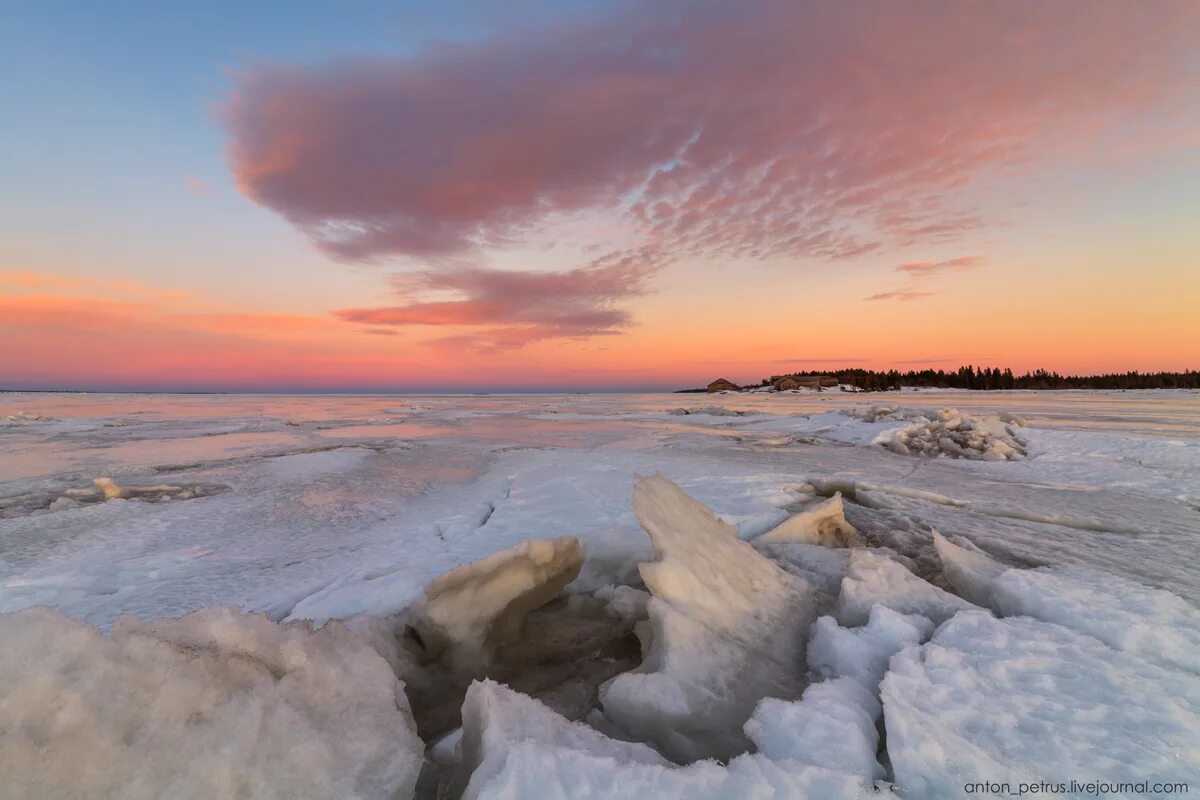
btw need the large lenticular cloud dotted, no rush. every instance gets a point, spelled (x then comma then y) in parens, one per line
(751, 130)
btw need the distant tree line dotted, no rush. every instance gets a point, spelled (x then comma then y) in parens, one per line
(971, 377)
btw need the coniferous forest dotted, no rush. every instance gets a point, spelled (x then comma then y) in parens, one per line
(971, 377)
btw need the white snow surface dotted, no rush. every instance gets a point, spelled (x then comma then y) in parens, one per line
(1021, 701)
(727, 629)
(215, 704)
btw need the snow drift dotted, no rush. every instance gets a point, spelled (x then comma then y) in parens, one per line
(727, 629)
(214, 704)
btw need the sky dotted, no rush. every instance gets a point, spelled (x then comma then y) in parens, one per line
(537, 195)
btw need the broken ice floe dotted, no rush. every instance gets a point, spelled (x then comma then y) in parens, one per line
(873, 581)
(712, 411)
(727, 628)
(823, 522)
(467, 613)
(954, 434)
(24, 417)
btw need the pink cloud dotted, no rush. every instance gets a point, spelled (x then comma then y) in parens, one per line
(764, 130)
(534, 305)
(750, 129)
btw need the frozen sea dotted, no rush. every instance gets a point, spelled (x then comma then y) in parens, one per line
(1016, 601)
(325, 506)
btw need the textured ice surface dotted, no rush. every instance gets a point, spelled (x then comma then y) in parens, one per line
(1018, 700)
(834, 725)
(1151, 623)
(862, 653)
(216, 704)
(727, 629)
(335, 506)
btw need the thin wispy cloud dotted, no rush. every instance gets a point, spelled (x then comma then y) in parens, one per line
(902, 294)
(928, 268)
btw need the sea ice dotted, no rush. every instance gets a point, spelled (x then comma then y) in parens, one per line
(727, 629)
(496, 719)
(862, 653)
(214, 704)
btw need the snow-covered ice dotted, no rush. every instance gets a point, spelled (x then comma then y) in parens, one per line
(1151, 623)
(1018, 700)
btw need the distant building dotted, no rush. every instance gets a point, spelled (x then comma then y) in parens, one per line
(722, 385)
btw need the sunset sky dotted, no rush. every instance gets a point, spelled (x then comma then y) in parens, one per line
(445, 196)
